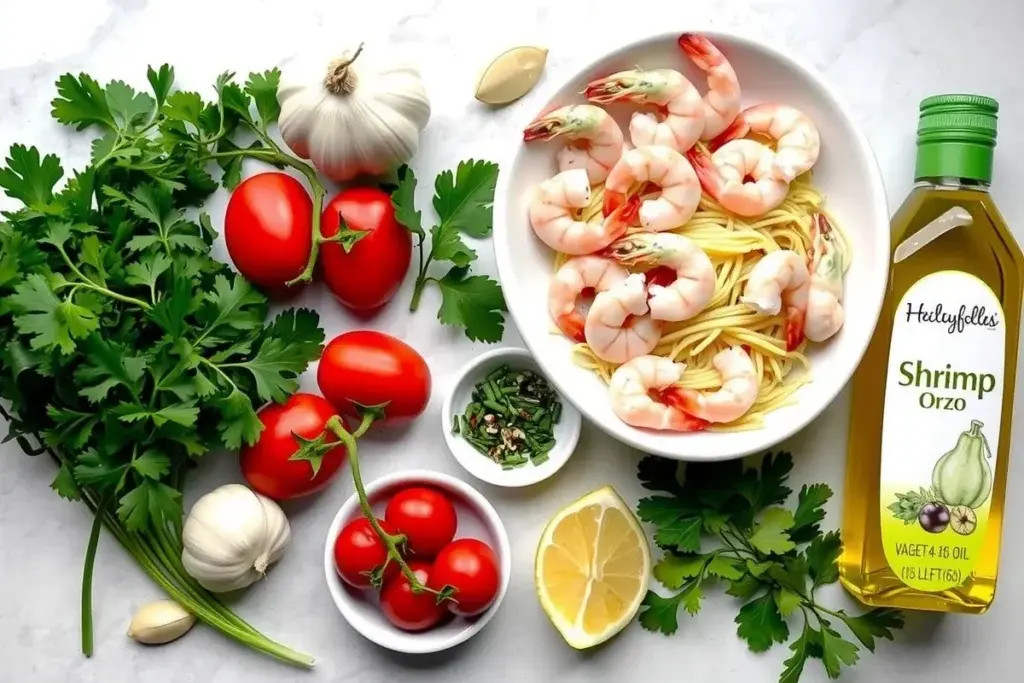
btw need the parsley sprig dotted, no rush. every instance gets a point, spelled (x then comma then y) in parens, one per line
(463, 202)
(772, 558)
(126, 350)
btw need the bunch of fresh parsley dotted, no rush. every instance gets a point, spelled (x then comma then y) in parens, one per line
(463, 202)
(126, 349)
(772, 558)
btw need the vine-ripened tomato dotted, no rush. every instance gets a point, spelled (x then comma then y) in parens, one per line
(407, 610)
(425, 517)
(268, 231)
(358, 551)
(366, 276)
(271, 467)
(370, 368)
(470, 567)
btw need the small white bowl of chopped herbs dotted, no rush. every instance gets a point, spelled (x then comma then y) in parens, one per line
(504, 421)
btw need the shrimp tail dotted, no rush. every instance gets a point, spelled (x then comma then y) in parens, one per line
(699, 49)
(794, 328)
(739, 128)
(707, 173)
(686, 401)
(623, 216)
(573, 326)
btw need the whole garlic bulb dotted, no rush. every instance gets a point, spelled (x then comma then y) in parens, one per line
(231, 536)
(351, 117)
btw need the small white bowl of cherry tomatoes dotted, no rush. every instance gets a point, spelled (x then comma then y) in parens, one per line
(454, 544)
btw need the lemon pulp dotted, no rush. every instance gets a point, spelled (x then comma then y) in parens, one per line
(592, 568)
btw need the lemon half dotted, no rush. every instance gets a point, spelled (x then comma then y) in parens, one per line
(592, 568)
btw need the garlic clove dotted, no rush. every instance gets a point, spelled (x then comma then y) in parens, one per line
(160, 622)
(511, 75)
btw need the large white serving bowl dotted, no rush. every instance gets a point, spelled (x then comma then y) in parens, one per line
(846, 172)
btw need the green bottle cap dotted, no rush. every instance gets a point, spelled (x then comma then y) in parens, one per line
(956, 137)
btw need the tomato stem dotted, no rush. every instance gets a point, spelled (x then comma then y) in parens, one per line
(336, 425)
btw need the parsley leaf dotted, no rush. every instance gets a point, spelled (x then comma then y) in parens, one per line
(108, 364)
(127, 106)
(262, 87)
(161, 81)
(474, 302)
(878, 623)
(803, 648)
(761, 624)
(822, 557)
(809, 512)
(148, 503)
(673, 569)
(463, 202)
(770, 535)
(64, 484)
(29, 178)
(50, 322)
(81, 102)
(836, 651)
(240, 424)
(682, 534)
(660, 614)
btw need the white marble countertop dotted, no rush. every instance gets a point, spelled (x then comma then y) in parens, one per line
(885, 55)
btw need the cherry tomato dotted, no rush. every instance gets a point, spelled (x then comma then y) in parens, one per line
(407, 610)
(268, 231)
(366, 276)
(271, 467)
(358, 551)
(371, 368)
(425, 517)
(470, 567)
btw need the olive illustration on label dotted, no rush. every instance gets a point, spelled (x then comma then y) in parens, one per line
(963, 520)
(963, 475)
(934, 517)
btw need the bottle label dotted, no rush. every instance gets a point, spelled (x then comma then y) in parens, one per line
(943, 405)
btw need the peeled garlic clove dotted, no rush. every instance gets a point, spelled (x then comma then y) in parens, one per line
(160, 622)
(511, 75)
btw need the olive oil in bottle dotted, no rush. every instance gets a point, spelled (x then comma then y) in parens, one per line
(930, 427)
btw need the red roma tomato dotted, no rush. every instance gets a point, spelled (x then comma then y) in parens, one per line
(370, 368)
(358, 551)
(425, 517)
(407, 610)
(270, 466)
(470, 567)
(368, 276)
(268, 230)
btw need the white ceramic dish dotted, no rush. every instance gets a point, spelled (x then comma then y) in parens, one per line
(567, 431)
(477, 519)
(846, 172)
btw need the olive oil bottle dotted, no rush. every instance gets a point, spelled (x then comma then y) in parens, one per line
(932, 401)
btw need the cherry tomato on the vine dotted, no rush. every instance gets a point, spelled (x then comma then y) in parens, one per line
(370, 368)
(425, 517)
(272, 465)
(358, 551)
(407, 610)
(268, 230)
(366, 275)
(470, 567)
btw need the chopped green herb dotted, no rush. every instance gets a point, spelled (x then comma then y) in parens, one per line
(510, 417)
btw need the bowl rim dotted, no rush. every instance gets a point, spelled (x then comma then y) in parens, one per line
(564, 448)
(400, 641)
(875, 292)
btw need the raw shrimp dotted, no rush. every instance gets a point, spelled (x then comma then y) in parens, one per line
(662, 166)
(781, 279)
(679, 104)
(797, 141)
(631, 389)
(618, 326)
(576, 275)
(595, 140)
(722, 103)
(734, 399)
(723, 176)
(695, 275)
(824, 311)
(553, 215)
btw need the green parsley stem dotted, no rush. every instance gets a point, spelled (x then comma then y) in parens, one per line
(86, 282)
(336, 425)
(87, 572)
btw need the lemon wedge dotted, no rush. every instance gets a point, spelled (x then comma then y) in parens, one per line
(592, 568)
